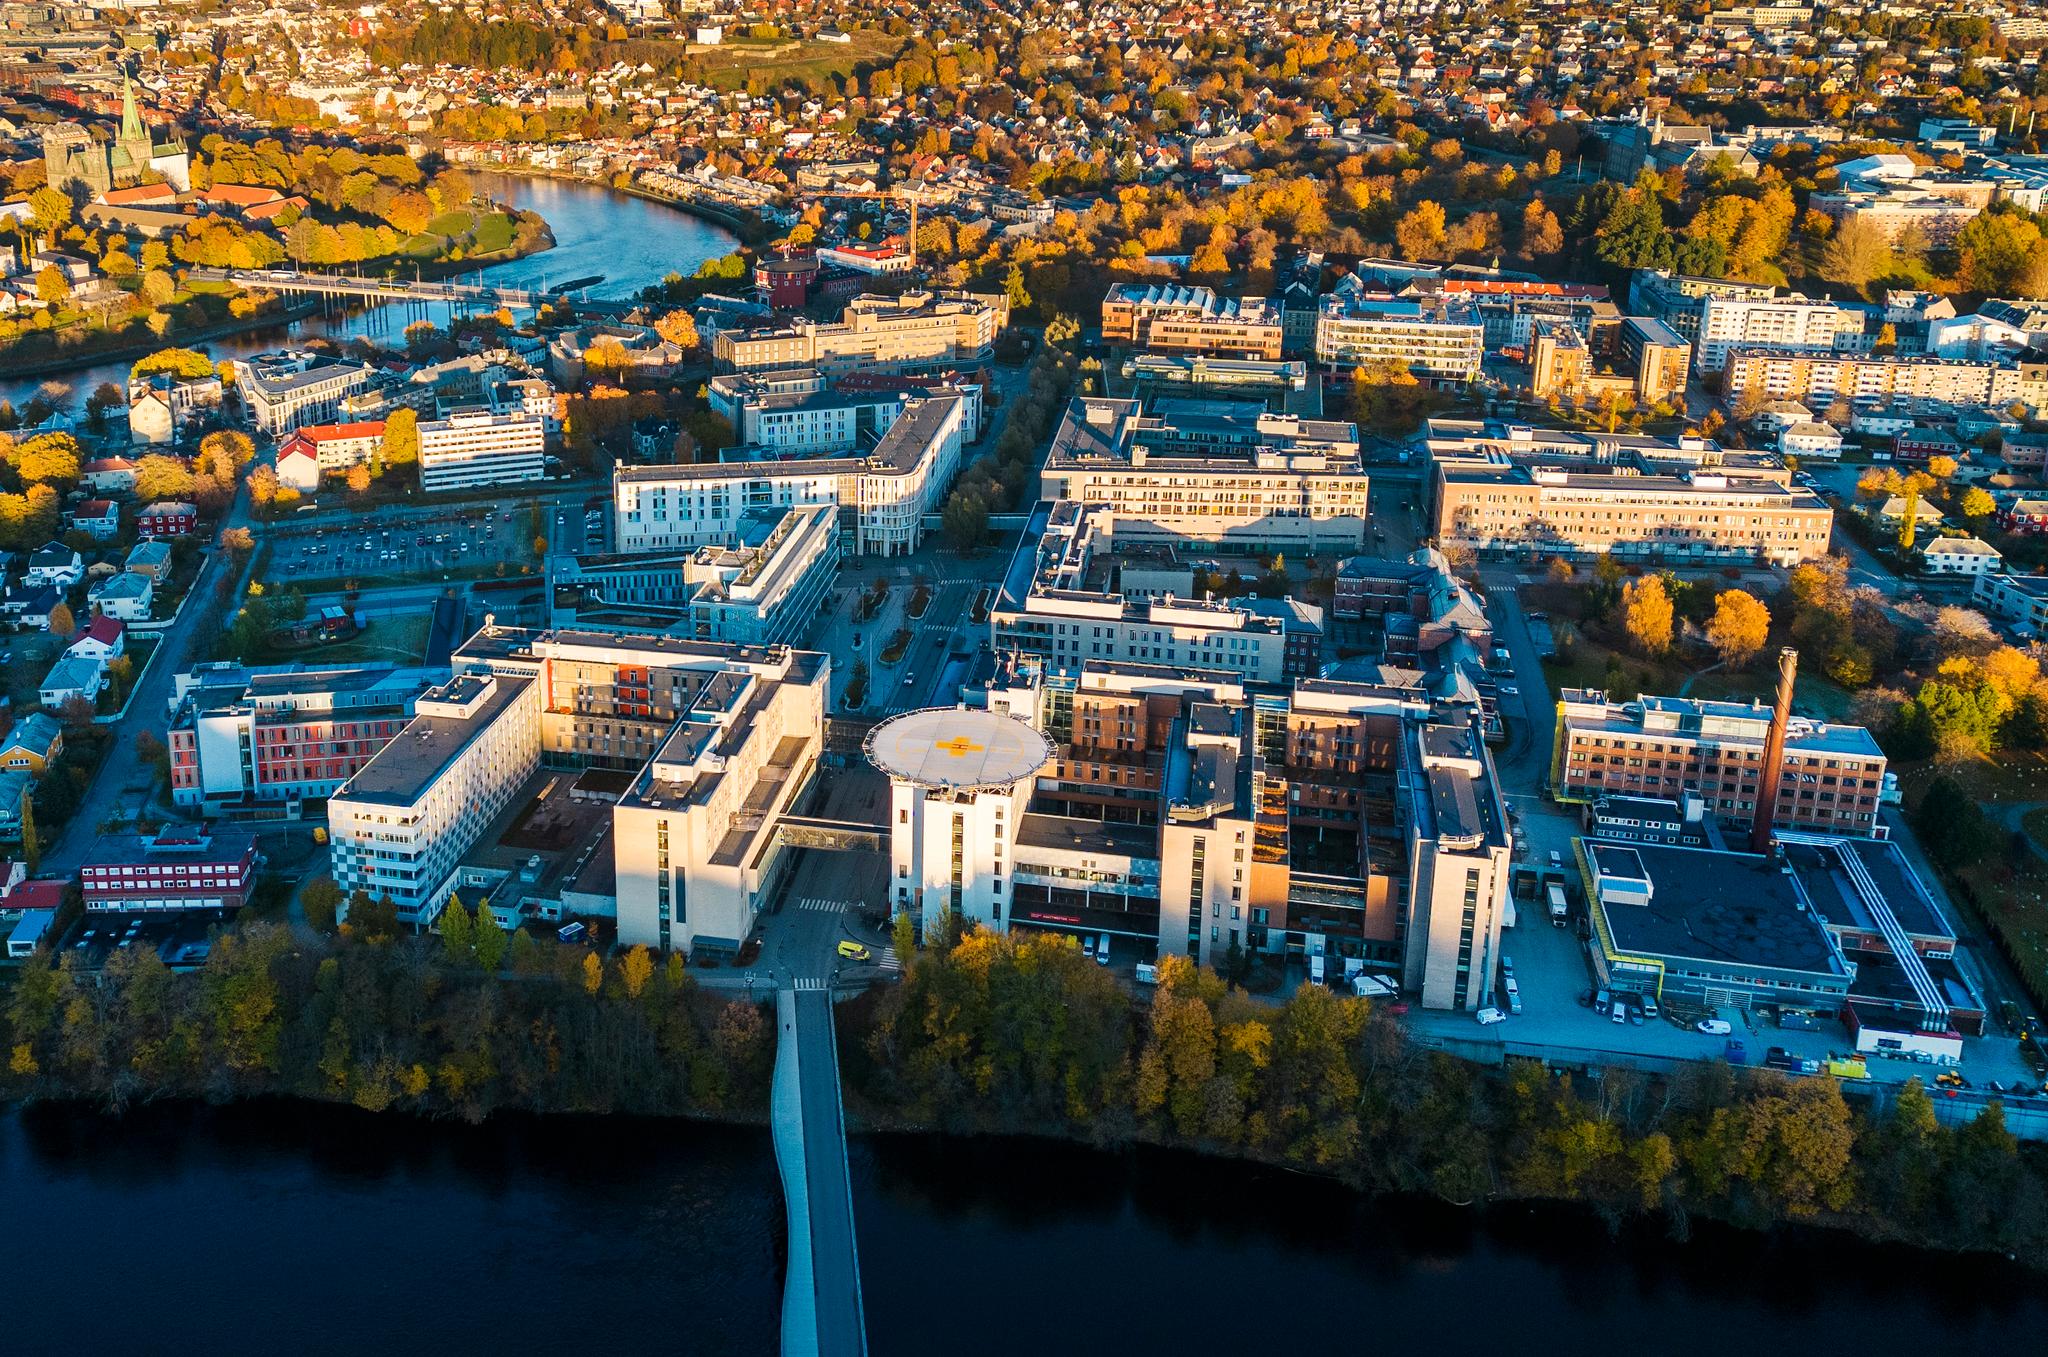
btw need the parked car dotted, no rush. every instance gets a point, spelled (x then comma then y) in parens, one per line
(1489, 1016)
(853, 951)
(1649, 1002)
(1714, 1027)
(1620, 1012)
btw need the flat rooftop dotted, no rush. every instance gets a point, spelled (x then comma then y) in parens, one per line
(958, 747)
(1062, 833)
(404, 769)
(1835, 898)
(1717, 908)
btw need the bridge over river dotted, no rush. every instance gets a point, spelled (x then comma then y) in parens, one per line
(478, 296)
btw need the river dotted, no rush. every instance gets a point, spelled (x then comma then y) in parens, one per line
(630, 241)
(315, 1230)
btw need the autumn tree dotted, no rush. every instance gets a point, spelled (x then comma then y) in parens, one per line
(1740, 626)
(1647, 613)
(1542, 236)
(679, 328)
(1856, 254)
(1420, 232)
(401, 441)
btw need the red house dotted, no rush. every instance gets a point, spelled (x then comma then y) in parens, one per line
(167, 518)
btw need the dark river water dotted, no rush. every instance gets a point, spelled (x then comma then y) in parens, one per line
(264, 1228)
(630, 242)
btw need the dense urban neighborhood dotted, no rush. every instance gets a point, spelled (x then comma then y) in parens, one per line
(1448, 595)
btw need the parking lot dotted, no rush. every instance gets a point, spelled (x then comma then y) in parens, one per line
(422, 548)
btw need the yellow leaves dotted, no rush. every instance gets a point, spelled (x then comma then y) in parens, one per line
(636, 970)
(593, 973)
(22, 1062)
(1250, 1042)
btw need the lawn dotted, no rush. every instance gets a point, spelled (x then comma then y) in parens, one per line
(402, 640)
(814, 63)
(494, 232)
(453, 223)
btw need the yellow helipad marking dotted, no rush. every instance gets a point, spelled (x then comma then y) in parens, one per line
(959, 746)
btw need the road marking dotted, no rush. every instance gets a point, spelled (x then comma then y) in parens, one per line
(806, 983)
(818, 906)
(888, 960)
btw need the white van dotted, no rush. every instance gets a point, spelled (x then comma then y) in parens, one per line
(1102, 950)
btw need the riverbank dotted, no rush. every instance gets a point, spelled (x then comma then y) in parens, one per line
(90, 358)
(1011, 1036)
(532, 236)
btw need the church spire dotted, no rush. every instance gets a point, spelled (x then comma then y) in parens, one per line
(131, 117)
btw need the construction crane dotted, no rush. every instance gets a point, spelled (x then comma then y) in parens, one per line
(912, 194)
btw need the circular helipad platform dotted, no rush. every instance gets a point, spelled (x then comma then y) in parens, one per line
(959, 748)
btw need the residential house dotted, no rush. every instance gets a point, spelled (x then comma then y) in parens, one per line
(56, 565)
(1814, 439)
(30, 604)
(152, 558)
(31, 743)
(150, 421)
(315, 450)
(167, 518)
(2024, 515)
(125, 595)
(99, 518)
(103, 638)
(108, 476)
(72, 676)
(1960, 556)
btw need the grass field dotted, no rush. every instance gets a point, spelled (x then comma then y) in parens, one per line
(815, 63)
(402, 640)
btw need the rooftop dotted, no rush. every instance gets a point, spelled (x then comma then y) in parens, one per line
(1719, 908)
(404, 769)
(958, 748)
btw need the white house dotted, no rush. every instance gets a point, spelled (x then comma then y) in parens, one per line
(150, 420)
(103, 639)
(1960, 556)
(55, 564)
(126, 596)
(73, 676)
(1812, 439)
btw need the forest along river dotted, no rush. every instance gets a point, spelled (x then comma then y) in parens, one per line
(320, 1230)
(630, 241)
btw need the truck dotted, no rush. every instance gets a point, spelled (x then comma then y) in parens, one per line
(1147, 973)
(1553, 897)
(1373, 987)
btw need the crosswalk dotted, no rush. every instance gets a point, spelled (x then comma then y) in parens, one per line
(809, 983)
(812, 904)
(888, 961)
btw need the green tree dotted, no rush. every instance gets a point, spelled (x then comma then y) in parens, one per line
(491, 940)
(458, 930)
(321, 899)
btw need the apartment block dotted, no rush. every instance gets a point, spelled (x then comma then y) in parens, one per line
(1657, 354)
(1791, 322)
(316, 450)
(401, 824)
(1500, 488)
(881, 492)
(1227, 474)
(1171, 318)
(916, 330)
(695, 839)
(474, 448)
(764, 587)
(1832, 779)
(281, 391)
(1822, 377)
(174, 869)
(243, 738)
(1435, 338)
(1073, 595)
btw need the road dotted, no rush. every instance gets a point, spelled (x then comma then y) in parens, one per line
(181, 647)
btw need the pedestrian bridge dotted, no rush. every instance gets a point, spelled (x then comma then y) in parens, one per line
(821, 1304)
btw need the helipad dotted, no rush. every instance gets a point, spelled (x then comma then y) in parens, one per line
(957, 747)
